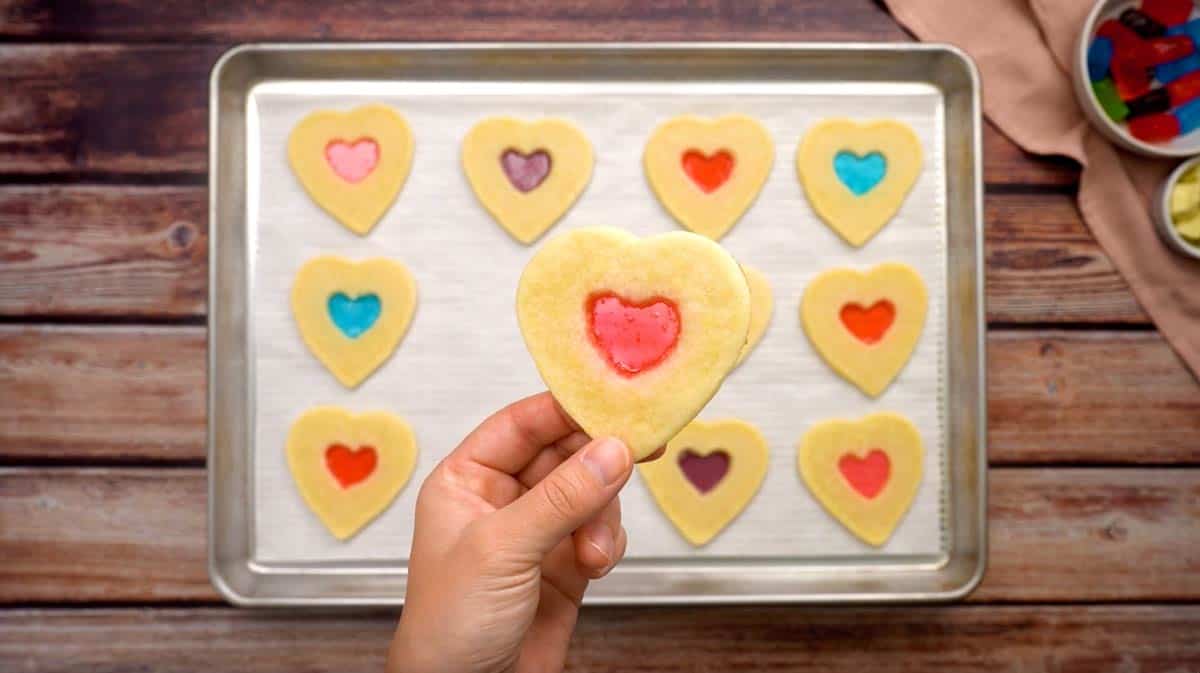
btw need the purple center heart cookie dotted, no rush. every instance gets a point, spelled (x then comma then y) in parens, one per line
(525, 171)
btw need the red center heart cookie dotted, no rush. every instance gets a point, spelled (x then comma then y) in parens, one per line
(352, 162)
(868, 324)
(704, 472)
(708, 172)
(633, 337)
(867, 475)
(350, 466)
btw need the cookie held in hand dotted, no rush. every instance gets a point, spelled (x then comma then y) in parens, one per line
(633, 336)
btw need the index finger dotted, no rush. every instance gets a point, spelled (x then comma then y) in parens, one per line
(513, 436)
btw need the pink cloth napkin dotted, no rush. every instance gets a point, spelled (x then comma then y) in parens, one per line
(1023, 50)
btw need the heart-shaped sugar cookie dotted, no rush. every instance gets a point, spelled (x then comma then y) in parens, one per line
(706, 172)
(864, 473)
(352, 315)
(865, 325)
(527, 175)
(708, 474)
(857, 175)
(762, 305)
(352, 164)
(633, 336)
(349, 467)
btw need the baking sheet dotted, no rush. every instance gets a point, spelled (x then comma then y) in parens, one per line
(463, 357)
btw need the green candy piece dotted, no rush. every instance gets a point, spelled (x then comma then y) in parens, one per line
(1106, 95)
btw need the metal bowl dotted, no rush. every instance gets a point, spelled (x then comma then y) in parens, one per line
(1162, 213)
(1182, 146)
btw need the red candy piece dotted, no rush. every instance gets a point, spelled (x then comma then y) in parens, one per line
(1164, 49)
(1122, 37)
(1154, 128)
(1167, 12)
(1128, 46)
(1184, 89)
(867, 475)
(632, 336)
(1131, 79)
(349, 466)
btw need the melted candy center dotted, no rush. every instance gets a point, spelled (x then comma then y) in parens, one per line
(349, 466)
(859, 174)
(352, 162)
(633, 337)
(867, 475)
(708, 172)
(354, 316)
(704, 472)
(525, 171)
(868, 325)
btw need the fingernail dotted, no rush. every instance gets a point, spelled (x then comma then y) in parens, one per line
(602, 539)
(607, 459)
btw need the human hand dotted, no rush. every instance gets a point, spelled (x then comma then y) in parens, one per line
(509, 529)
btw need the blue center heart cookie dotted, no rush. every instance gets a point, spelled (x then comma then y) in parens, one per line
(354, 316)
(859, 174)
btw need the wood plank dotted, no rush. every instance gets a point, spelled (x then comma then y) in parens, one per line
(967, 639)
(143, 110)
(135, 393)
(496, 20)
(103, 251)
(118, 393)
(1118, 397)
(75, 535)
(121, 251)
(1044, 266)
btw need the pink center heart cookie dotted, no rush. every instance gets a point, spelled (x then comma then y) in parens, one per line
(525, 171)
(352, 162)
(704, 472)
(867, 475)
(633, 337)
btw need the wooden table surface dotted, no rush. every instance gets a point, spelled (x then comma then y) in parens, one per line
(1094, 423)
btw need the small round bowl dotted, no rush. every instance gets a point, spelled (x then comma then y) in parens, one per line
(1184, 145)
(1162, 213)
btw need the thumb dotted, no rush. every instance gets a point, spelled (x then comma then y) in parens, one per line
(571, 495)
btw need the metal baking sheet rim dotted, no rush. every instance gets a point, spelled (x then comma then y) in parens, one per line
(243, 582)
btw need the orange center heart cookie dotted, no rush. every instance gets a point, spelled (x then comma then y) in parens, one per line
(527, 175)
(633, 336)
(864, 473)
(705, 172)
(708, 474)
(352, 164)
(865, 325)
(349, 467)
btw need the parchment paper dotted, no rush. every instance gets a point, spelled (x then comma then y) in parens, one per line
(463, 357)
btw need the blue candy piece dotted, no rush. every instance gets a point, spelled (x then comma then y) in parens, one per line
(1100, 53)
(1188, 115)
(354, 316)
(1191, 29)
(859, 174)
(1169, 72)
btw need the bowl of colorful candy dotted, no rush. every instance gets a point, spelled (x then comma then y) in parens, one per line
(1137, 74)
(1177, 209)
